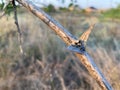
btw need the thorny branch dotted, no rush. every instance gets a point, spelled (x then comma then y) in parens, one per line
(68, 38)
(18, 28)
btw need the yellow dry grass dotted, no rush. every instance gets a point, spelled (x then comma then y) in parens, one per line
(41, 45)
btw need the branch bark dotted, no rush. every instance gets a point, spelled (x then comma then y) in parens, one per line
(68, 39)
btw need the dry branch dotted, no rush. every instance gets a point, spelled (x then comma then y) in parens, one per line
(18, 28)
(69, 39)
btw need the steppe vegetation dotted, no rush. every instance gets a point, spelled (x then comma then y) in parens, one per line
(47, 64)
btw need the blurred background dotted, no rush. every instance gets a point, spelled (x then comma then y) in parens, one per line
(47, 64)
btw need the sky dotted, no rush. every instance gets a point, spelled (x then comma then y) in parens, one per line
(86, 3)
(101, 4)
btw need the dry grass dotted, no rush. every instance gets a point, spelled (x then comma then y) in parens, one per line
(47, 64)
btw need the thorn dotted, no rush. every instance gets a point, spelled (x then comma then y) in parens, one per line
(84, 37)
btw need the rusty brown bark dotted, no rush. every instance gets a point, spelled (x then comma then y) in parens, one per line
(65, 36)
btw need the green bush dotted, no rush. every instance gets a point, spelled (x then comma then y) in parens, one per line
(1, 6)
(50, 8)
(112, 13)
(63, 9)
(8, 9)
(71, 4)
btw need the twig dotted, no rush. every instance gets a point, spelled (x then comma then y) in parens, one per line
(18, 28)
(3, 14)
(67, 38)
